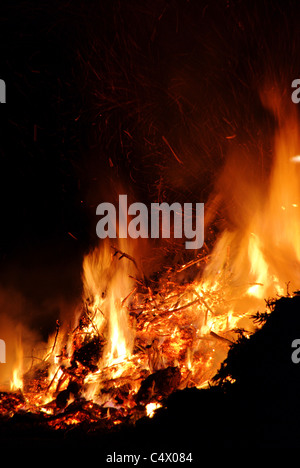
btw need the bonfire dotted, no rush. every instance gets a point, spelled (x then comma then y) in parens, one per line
(135, 339)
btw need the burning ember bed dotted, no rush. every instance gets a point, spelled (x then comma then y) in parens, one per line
(254, 396)
(123, 357)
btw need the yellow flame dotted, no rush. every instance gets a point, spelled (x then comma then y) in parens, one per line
(119, 332)
(16, 382)
(258, 267)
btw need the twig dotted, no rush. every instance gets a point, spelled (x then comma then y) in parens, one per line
(123, 254)
(128, 295)
(215, 335)
(55, 339)
(50, 384)
(56, 335)
(91, 320)
(189, 304)
(204, 303)
(192, 262)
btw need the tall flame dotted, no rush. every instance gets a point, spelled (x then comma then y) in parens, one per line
(264, 245)
(107, 283)
(16, 382)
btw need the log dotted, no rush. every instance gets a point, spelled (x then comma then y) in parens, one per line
(160, 384)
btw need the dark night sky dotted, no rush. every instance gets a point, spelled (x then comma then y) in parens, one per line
(94, 91)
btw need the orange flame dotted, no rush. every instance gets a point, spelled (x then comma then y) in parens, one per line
(264, 248)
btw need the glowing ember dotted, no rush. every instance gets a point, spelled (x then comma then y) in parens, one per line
(151, 408)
